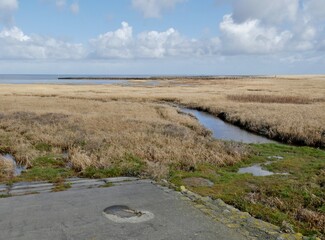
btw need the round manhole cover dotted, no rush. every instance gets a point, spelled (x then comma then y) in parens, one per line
(124, 214)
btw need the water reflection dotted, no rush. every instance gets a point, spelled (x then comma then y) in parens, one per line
(225, 131)
(18, 168)
(256, 170)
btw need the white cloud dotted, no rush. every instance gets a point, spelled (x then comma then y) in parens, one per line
(262, 27)
(7, 7)
(16, 45)
(151, 44)
(305, 37)
(14, 34)
(154, 8)
(116, 44)
(60, 3)
(315, 9)
(161, 44)
(74, 8)
(250, 37)
(274, 12)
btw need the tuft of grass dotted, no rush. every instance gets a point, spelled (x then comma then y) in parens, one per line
(43, 147)
(129, 165)
(61, 187)
(92, 172)
(106, 185)
(46, 168)
(7, 168)
(5, 195)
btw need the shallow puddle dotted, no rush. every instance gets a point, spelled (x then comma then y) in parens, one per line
(18, 168)
(256, 170)
(225, 131)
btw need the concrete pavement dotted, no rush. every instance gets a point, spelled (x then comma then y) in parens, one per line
(78, 213)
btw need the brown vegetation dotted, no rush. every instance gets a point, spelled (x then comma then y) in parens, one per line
(7, 168)
(273, 99)
(101, 124)
(108, 135)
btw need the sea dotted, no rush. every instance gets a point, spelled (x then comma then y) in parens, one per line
(54, 79)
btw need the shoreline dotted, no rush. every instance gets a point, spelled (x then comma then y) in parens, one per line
(168, 77)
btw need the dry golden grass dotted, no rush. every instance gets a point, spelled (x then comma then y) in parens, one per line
(102, 134)
(273, 99)
(101, 124)
(7, 168)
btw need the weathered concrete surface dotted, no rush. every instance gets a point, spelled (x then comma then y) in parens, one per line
(23, 188)
(78, 214)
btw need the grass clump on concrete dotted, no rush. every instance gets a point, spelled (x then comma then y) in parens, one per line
(46, 168)
(61, 186)
(128, 165)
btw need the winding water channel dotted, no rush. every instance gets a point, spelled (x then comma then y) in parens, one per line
(225, 131)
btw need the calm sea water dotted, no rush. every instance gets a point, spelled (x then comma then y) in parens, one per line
(53, 79)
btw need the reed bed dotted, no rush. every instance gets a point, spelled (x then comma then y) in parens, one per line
(113, 134)
(102, 124)
(272, 99)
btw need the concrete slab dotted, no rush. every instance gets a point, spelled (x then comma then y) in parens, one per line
(30, 185)
(78, 214)
(90, 183)
(3, 189)
(19, 192)
(24, 188)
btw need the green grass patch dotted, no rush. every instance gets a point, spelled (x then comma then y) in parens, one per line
(92, 172)
(298, 198)
(43, 147)
(5, 195)
(129, 165)
(46, 168)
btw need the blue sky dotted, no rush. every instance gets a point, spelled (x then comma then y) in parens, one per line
(162, 36)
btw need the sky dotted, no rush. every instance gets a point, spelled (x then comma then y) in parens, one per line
(162, 37)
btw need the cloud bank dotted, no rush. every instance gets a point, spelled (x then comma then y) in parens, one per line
(16, 45)
(253, 27)
(122, 43)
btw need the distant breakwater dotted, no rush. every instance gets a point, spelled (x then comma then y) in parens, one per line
(162, 77)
